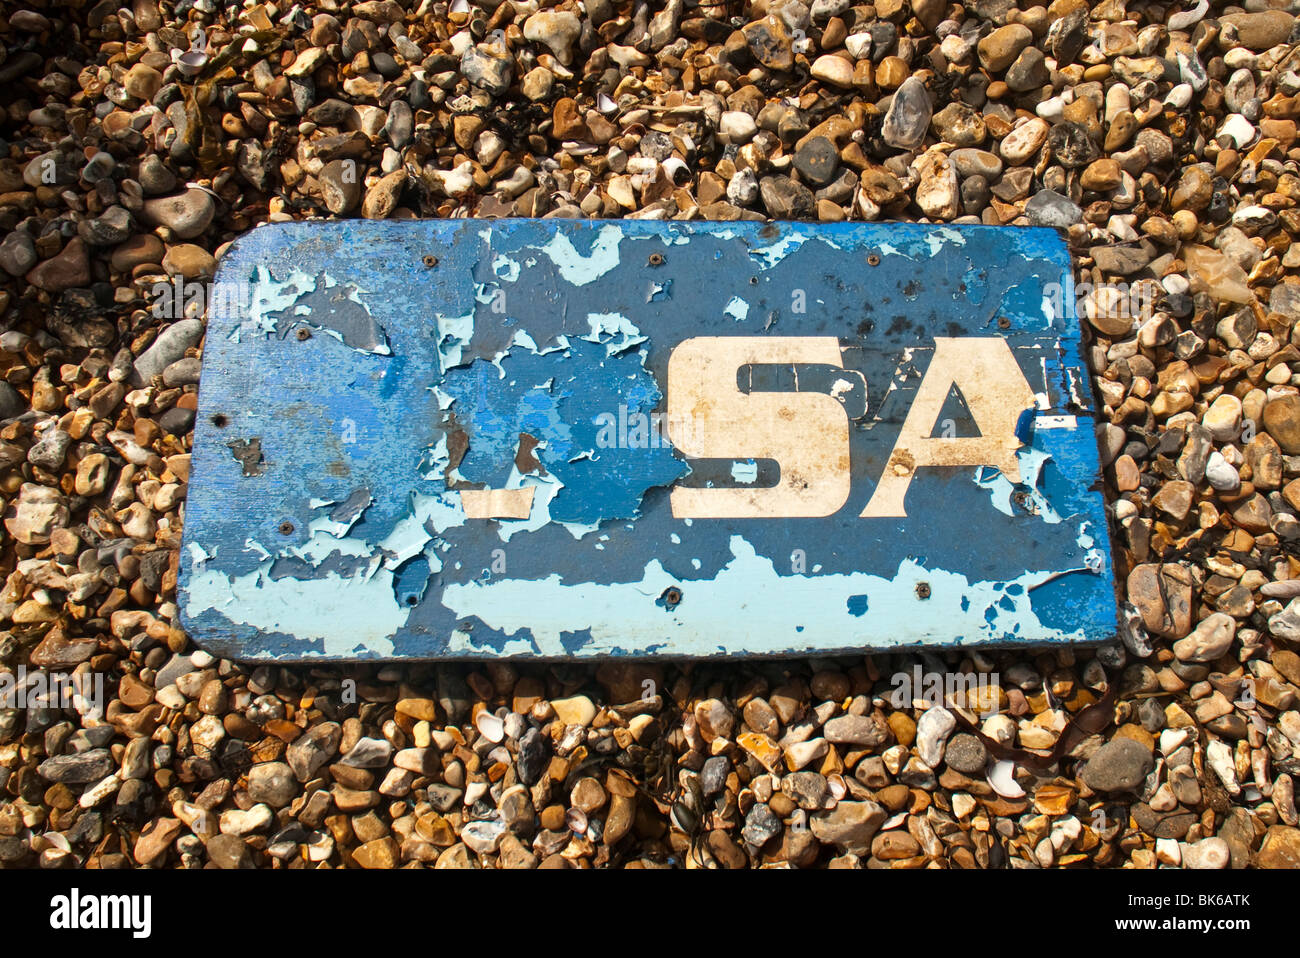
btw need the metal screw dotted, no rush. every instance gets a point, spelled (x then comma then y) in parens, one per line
(656, 259)
(1004, 323)
(873, 260)
(286, 528)
(430, 261)
(672, 596)
(304, 334)
(923, 590)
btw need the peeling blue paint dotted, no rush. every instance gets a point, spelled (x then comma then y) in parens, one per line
(533, 358)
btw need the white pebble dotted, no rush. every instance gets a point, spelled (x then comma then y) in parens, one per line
(1179, 96)
(1239, 129)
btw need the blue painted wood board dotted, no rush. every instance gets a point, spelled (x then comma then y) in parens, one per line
(470, 439)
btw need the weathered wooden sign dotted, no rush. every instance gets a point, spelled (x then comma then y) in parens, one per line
(486, 438)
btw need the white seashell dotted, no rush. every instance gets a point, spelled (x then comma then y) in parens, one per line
(1002, 778)
(490, 727)
(1187, 18)
(191, 62)
(837, 786)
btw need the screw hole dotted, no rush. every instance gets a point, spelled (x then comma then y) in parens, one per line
(220, 421)
(286, 528)
(753, 281)
(430, 261)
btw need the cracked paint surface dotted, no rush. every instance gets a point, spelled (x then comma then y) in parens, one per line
(561, 396)
(533, 357)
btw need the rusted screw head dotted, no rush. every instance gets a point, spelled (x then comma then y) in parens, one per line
(286, 528)
(923, 590)
(304, 334)
(1004, 323)
(430, 261)
(873, 260)
(656, 259)
(672, 596)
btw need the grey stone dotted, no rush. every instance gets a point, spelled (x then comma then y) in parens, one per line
(79, 768)
(313, 749)
(155, 179)
(975, 194)
(369, 753)
(400, 125)
(1067, 36)
(966, 754)
(453, 693)
(533, 757)
(785, 199)
(50, 451)
(817, 161)
(1120, 765)
(113, 227)
(1122, 260)
(340, 183)
(176, 421)
(808, 790)
(229, 852)
(487, 68)
(1049, 208)
(186, 214)
(170, 346)
(1285, 299)
(1071, 145)
(713, 776)
(972, 162)
(17, 253)
(49, 169)
(98, 167)
(742, 190)
(183, 372)
(1028, 72)
(823, 10)
(908, 117)
(1286, 624)
(11, 401)
(444, 797)
(273, 783)
(856, 730)
(761, 825)
(849, 825)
